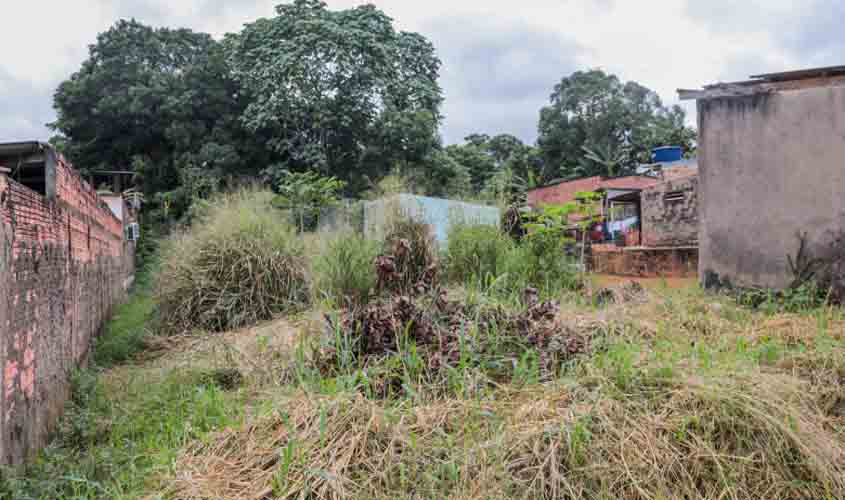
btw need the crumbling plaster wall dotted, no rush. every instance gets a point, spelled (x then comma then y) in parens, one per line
(63, 267)
(670, 222)
(771, 165)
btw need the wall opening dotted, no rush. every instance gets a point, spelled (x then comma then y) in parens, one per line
(32, 174)
(673, 196)
(27, 163)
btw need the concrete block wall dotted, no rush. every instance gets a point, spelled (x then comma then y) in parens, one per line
(672, 221)
(64, 265)
(438, 213)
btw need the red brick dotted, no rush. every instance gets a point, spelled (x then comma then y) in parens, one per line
(63, 265)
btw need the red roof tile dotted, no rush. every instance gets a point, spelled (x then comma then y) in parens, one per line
(559, 194)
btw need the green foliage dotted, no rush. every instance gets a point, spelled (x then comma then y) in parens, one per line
(618, 124)
(159, 102)
(110, 445)
(339, 92)
(237, 265)
(541, 262)
(306, 194)
(126, 333)
(344, 271)
(483, 257)
(476, 253)
(801, 298)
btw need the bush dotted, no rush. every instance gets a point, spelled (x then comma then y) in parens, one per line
(237, 265)
(483, 255)
(542, 263)
(344, 271)
(476, 252)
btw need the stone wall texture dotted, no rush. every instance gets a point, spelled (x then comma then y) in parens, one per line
(670, 213)
(64, 265)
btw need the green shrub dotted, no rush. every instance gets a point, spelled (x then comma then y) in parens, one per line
(476, 253)
(344, 271)
(236, 265)
(546, 265)
(484, 256)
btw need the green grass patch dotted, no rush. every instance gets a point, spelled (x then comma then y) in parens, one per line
(125, 334)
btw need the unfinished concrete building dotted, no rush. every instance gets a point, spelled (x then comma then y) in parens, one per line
(772, 165)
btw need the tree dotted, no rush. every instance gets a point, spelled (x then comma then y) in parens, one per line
(158, 101)
(339, 92)
(476, 160)
(306, 194)
(500, 167)
(618, 124)
(608, 161)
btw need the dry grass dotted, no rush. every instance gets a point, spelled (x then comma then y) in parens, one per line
(237, 265)
(679, 415)
(750, 438)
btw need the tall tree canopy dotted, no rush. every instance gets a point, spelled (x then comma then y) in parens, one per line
(340, 92)
(596, 124)
(158, 101)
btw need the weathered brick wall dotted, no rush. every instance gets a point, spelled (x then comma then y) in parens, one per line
(64, 265)
(645, 262)
(669, 221)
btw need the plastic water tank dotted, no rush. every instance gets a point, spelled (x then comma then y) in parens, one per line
(666, 154)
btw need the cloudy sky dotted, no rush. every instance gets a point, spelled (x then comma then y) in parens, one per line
(501, 58)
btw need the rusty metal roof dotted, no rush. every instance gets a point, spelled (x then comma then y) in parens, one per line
(770, 82)
(801, 74)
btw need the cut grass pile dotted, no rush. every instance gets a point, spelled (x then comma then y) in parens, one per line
(761, 437)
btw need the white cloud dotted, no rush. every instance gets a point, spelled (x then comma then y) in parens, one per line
(501, 59)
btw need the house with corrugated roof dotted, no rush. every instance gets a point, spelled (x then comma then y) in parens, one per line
(649, 221)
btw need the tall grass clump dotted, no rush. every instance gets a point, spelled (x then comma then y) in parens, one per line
(484, 256)
(476, 252)
(344, 271)
(238, 264)
(541, 262)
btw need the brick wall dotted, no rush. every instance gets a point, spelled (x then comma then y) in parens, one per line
(670, 213)
(644, 262)
(64, 265)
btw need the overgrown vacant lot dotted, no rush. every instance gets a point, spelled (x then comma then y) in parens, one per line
(465, 388)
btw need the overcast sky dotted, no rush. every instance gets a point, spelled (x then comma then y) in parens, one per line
(500, 58)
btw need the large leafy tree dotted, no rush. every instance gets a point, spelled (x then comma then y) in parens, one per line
(596, 124)
(497, 165)
(159, 102)
(339, 92)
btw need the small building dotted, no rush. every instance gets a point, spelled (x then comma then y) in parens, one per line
(562, 192)
(650, 222)
(772, 166)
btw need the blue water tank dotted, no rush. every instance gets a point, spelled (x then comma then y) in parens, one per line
(666, 154)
